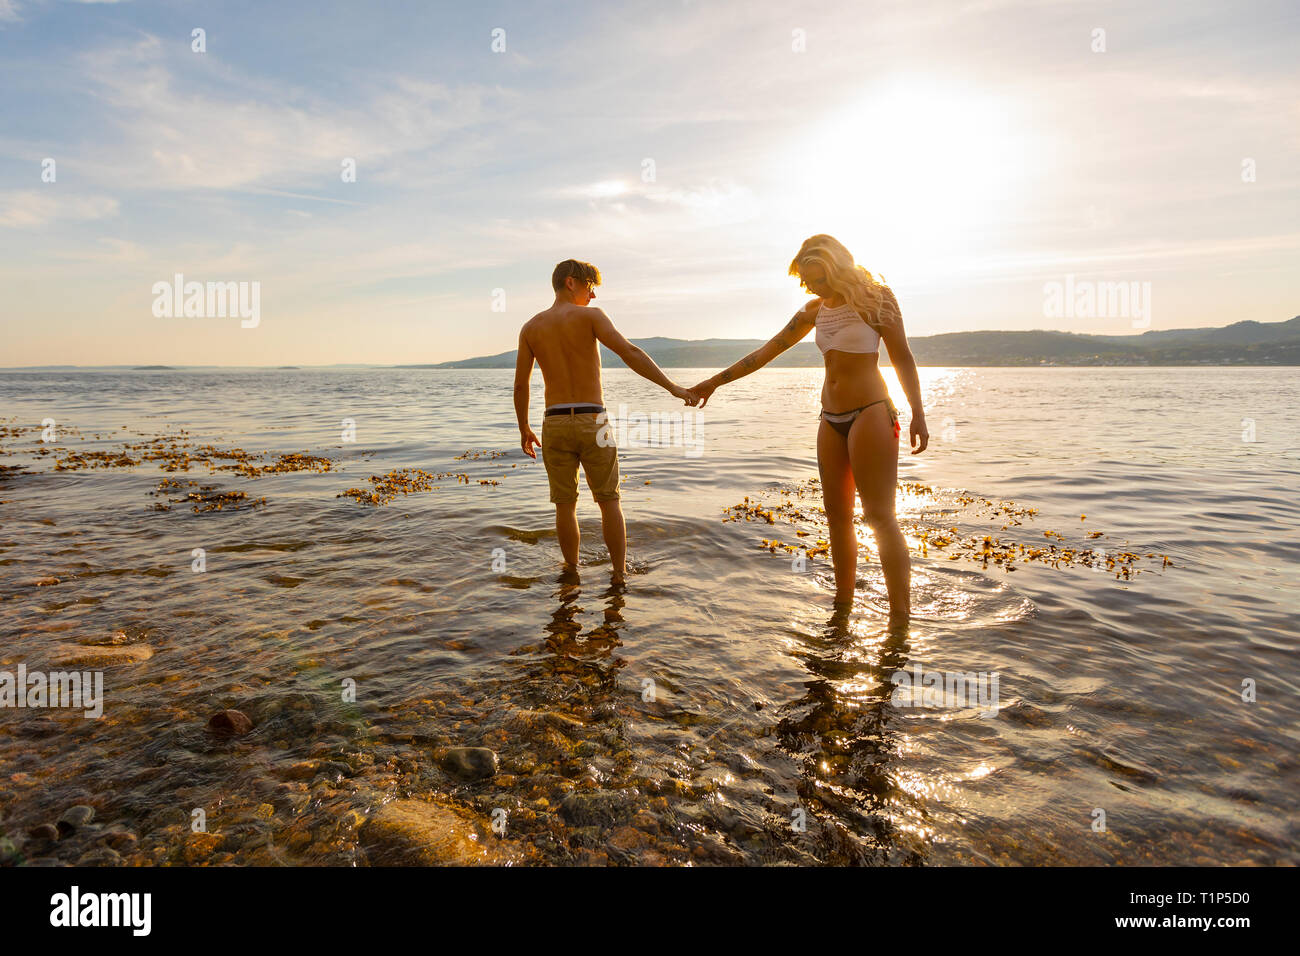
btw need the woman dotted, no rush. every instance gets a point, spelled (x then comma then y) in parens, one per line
(857, 440)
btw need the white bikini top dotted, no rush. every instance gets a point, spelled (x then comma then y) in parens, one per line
(844, 330)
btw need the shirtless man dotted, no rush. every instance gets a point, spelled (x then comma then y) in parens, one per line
(563, 341)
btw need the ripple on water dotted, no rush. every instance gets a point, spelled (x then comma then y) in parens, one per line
(1122, 696)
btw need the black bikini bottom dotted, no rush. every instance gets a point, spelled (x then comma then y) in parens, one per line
(843, 421)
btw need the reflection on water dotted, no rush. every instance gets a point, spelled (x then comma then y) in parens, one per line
(839, 733)
(713, 712)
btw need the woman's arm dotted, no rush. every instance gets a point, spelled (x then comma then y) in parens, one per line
(794, 330)
(900, 356)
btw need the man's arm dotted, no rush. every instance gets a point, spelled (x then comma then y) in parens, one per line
(794, 330)
(633, 356)
(523, 374)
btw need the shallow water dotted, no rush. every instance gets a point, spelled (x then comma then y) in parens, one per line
(717, 697)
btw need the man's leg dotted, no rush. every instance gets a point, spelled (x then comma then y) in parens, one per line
(560, 457)
(600, 463)
(566, 529)
(615, 531)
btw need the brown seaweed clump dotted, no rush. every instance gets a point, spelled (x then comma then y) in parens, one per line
(924, 535)
(475, 455)
(73, 460)
(206, 498)
(401, 481)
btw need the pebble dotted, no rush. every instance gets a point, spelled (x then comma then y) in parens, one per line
(99, 655)
(124, 841)
(524, 764)
(594, 807)
(231, 721)
(627, 838)
(44, 831)
(74, 818)
(424, 833)
(100, 856)
(645, 820)
(470, 763)
(303, 770)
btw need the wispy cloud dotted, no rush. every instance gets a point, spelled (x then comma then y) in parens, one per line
(32, 207)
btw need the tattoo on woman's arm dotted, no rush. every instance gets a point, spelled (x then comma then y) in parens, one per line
(740, 369)
(787, 335)
(750, 362)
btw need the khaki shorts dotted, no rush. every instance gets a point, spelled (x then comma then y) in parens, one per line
(568, 440)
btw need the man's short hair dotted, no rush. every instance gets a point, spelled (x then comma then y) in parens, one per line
(582, 271)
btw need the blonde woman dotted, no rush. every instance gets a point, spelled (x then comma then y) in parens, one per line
(857, 440)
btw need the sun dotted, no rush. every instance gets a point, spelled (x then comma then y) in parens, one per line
(910, 173)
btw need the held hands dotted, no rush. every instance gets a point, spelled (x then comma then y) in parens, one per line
(702, 391)
(685, 394)
(527, 439)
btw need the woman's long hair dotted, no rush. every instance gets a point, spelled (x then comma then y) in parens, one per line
(869, 296)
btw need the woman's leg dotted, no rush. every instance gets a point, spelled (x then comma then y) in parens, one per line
(873, 458)
(838, 497)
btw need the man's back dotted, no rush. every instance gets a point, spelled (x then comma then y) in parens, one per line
(563, 340)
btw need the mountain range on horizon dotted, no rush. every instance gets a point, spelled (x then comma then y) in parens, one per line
(1241, 343)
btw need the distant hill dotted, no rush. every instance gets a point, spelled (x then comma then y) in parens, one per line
(1242, 343)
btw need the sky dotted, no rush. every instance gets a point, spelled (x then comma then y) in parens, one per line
(971, 154)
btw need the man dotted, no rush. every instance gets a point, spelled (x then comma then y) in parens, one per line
(563, 339)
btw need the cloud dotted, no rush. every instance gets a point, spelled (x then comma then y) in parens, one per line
(107, 250)
(716, 203)
(9, 8)
(605, 189)
(174, 133)
(37, 207)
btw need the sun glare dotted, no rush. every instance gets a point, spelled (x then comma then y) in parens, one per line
(911, 172)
